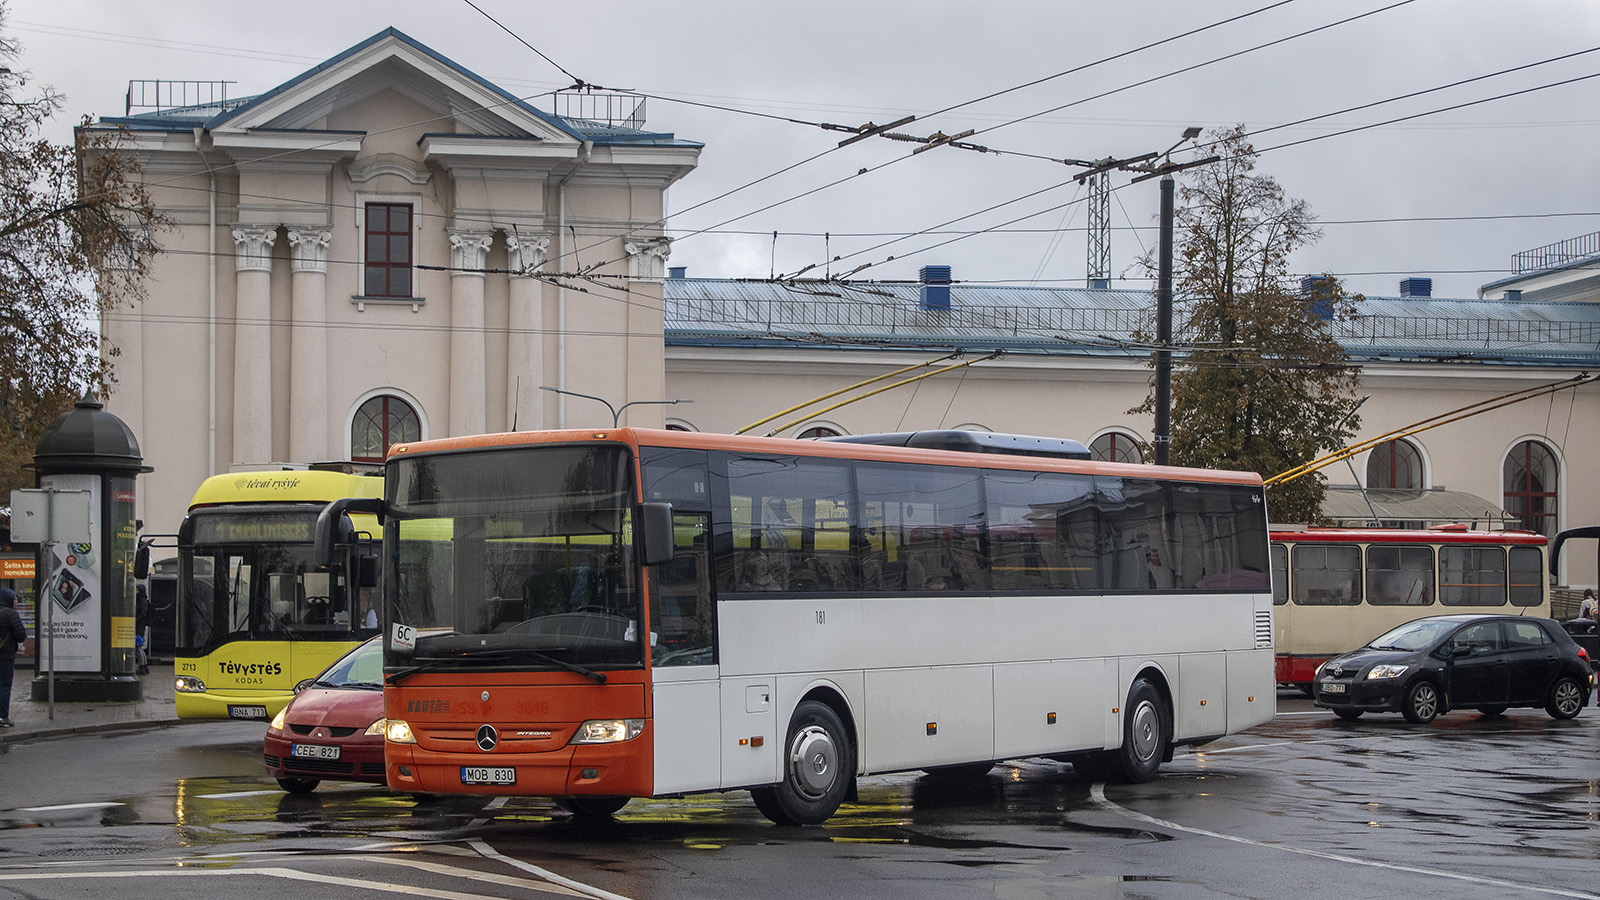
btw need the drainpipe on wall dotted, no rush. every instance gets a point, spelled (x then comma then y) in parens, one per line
(211, 307)
(561, 297)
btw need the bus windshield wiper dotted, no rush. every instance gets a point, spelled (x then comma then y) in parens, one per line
(533, 655)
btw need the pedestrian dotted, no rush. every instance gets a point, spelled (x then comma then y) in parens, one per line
(1589, 608)
(13, 639)
(141, 629)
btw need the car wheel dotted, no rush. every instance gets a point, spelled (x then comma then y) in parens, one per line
(1492, 711)
(1566, 698)
(1145, 730)
(1422, 703)
(818, 763)
(298, 785)
(592, 807)
(1349, 715)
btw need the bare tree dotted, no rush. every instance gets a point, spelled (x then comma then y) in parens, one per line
(75, 243)
(1260, 383)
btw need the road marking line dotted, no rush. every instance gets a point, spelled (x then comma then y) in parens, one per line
(68, 806)
(578, 886)
(496, 803)
(1098, 795)
(235, 795)
(271, 872)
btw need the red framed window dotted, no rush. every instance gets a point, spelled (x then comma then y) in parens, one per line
(1531, 486)
(1395, 465)
(1114, 446)
(381, 423)
(388, 250)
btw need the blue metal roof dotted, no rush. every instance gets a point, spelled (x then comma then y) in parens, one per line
(713, 312)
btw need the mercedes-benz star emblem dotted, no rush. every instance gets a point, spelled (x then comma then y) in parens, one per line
(487, 738)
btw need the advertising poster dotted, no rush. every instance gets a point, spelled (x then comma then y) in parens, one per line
(69, 600)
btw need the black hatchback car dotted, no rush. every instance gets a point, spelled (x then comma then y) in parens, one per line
(1427, 667)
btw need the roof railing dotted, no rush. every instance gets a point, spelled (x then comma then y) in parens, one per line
(1557, 254)
(150, 95)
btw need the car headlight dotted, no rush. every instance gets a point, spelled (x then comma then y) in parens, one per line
(187, 684)
(279, 720)
(608, 731)
(1386, 671)
(396, 731)
(379, 727)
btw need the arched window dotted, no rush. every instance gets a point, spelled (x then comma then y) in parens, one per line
(1395, 465)
(380, 423)
(817, 431)
(1530, 477)
(1115, 446)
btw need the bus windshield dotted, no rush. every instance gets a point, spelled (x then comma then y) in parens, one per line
(249, 575)
(514, 556)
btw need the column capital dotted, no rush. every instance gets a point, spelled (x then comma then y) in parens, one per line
(647, 256)
(252, 247)
(527, 253)
(309, 248)
(469, 251)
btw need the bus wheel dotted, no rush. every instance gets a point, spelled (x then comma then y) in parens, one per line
(818, 763)
(1144, 735)
(1566, 698)
(298, 785)
(1422, 703)
(591, 807)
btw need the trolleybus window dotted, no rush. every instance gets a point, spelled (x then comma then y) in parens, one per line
(1472, 576)
(1400, 575)
(1327, 575)
(1527, 576)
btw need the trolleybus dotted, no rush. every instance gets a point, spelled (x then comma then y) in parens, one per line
(1334, 589)
(593, 616)
(255, 616)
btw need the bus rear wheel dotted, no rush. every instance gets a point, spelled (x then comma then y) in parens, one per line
(1145, 731)
(818, 763)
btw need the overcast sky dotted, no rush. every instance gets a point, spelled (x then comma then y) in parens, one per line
(1466, 189)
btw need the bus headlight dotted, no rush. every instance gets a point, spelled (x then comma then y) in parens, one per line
(379, 727)
(189, 685)
(279, 720)
(608, 731)
(1386, 671)
(396, 731)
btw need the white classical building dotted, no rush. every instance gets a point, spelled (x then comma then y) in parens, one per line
(358, 261)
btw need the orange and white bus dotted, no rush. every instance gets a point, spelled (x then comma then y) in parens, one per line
(1334, 589)
(594, 616)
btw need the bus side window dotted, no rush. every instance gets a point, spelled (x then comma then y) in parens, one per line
(682, 620)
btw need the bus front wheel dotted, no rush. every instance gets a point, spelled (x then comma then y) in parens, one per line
(591, 807)
(818, 763)
(1145, 732)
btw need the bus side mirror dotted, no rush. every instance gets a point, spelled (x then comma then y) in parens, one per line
(331, 524)
(656, 522)
(367, 571)
(141, 561)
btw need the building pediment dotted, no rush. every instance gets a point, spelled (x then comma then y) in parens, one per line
(463, 102)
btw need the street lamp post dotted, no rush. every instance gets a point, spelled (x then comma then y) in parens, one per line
(616, 411)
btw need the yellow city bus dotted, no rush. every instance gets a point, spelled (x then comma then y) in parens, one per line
(597, 615)
(255, 616)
